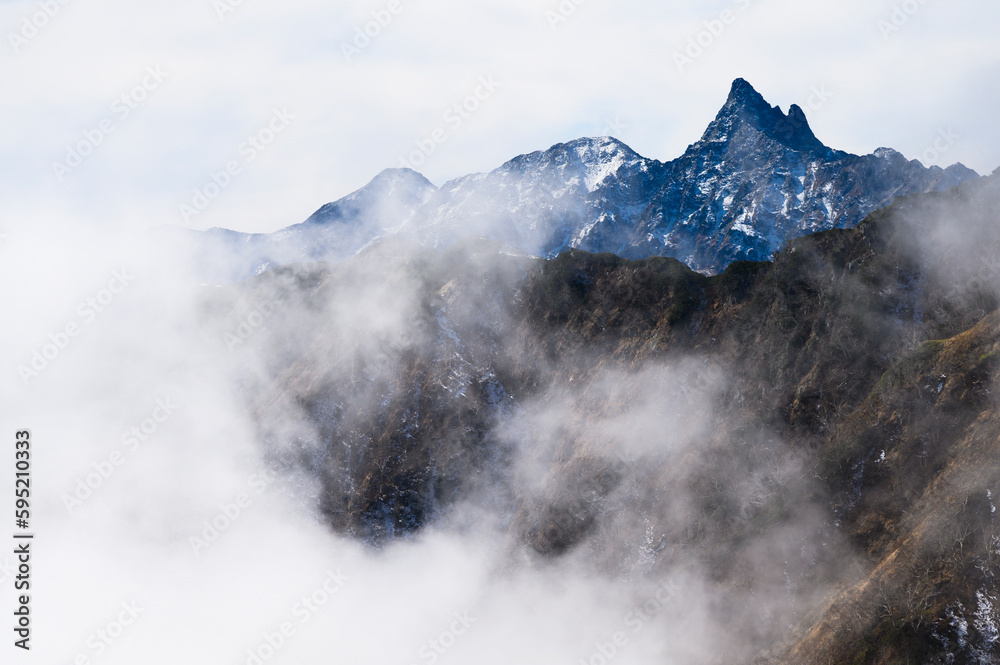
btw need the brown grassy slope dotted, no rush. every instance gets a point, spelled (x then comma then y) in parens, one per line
(925, 515)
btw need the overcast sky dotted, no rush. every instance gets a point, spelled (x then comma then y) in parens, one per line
(212, 73)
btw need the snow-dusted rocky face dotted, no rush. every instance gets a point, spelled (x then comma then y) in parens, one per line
(757, 178)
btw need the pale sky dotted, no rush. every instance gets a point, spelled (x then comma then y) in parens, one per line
(868, 73)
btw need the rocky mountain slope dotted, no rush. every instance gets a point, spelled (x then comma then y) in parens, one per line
(813, 439)
(757, 178)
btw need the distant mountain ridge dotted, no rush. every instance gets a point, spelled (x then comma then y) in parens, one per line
(757, 178)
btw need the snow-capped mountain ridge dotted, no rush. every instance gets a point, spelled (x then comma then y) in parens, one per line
(757, 178)
(591, 161)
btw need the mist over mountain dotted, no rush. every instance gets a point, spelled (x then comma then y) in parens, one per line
(757, 178)
(807, 445)
(739, 407)
(764, 371)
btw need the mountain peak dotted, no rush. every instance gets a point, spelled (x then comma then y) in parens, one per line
(397, 175)
(583, 148)
(391, 191)
(591, 158)
(746, 108)
(597, 142)
(742, 94)
(600, 147)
